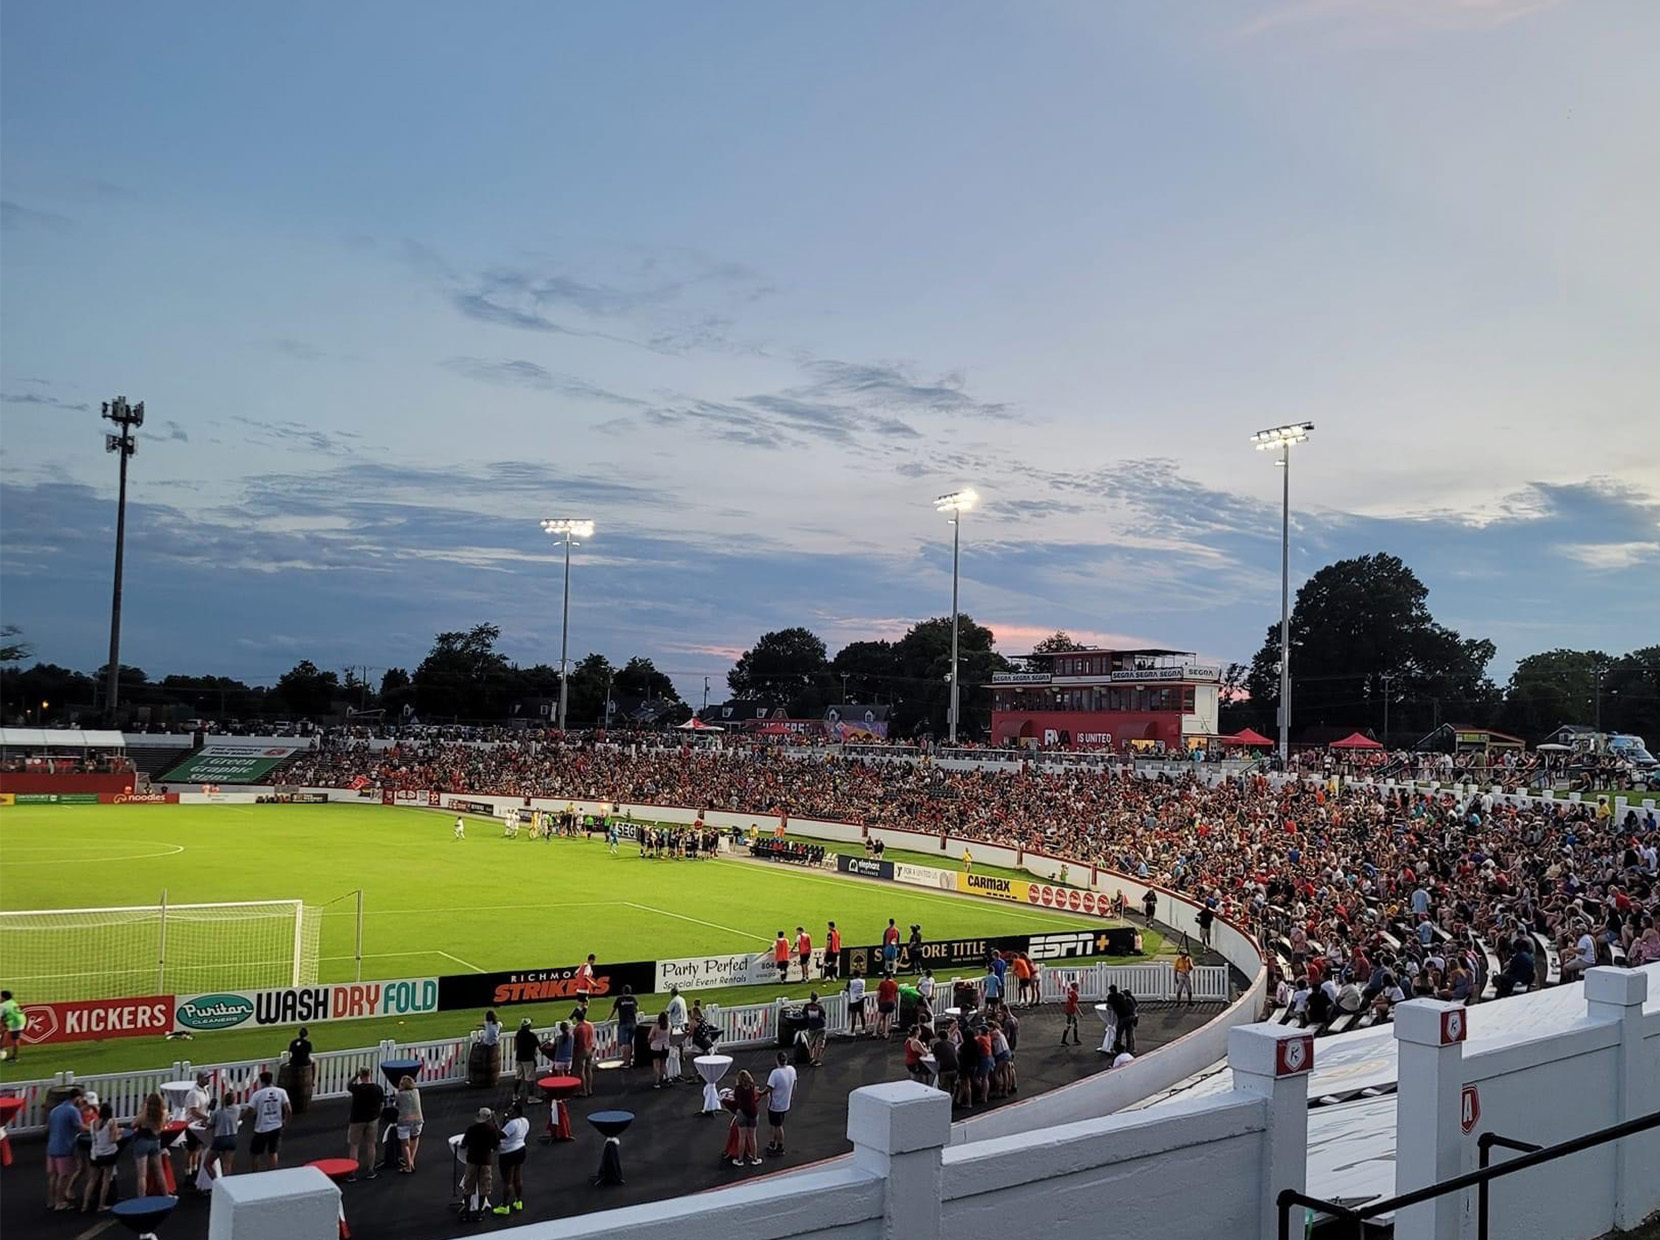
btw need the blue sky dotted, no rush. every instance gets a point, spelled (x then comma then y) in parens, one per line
(748, 285)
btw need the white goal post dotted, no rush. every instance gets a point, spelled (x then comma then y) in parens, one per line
(54, 955)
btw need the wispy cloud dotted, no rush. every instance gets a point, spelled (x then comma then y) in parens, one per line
(1375, 20)
(37, 398)
(889, 385)
(517, 372)
(16, 217)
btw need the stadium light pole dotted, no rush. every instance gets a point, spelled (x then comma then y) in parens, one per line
(1282, 438)
(127, 419)
(569, 529)
(956, 503)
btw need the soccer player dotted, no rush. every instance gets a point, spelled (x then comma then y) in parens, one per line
(583, 983)
(15, 1022)
(1071, 1015)
(611, 837)
(832, 953)
(804, 950)
(510, 825)
(460, 828)
(781, 956)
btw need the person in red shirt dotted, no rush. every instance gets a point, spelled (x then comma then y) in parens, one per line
(583, 1059)
(832, 953)
(781, 956)
(1071, 1015)
(804, 950)
(887, 1002)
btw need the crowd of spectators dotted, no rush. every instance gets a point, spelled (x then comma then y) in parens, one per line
(1342, 880)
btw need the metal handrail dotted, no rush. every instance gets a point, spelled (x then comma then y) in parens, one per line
(1535, 1157)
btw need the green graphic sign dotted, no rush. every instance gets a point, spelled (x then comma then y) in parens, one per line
(239, 764)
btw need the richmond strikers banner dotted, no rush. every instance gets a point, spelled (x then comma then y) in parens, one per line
(245, 1009)
(86, 1020)
(485, 990)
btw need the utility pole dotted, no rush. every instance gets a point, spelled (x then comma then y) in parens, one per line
(606, 722)
(127, 418)
(1387, 677)
(705, 710)
(1596, 706)
(844, 688)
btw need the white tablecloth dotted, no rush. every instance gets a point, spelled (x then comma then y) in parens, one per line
(711, 1068)
(1111, 1023)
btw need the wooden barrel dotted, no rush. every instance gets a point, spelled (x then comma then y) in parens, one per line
(483, 1065)
(299, 1083)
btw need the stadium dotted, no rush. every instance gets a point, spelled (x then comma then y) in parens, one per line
(935, 621)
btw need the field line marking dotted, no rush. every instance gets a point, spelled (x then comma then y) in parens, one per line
(458, 960)
(713, 925)
(468, 908)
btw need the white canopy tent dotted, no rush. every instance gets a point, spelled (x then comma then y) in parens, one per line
(60, 738)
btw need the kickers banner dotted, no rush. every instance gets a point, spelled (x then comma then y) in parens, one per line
(86, 1020)
(459, 991)
(996, 888)
(230, 1009)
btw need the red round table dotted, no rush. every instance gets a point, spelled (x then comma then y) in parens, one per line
(171, 1134)
(339, 1170)
(10, 1109)
(557, 1089)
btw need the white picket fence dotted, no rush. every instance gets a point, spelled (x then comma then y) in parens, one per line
(444, 1060)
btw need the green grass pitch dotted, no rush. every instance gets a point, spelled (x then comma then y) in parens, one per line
(435, 905)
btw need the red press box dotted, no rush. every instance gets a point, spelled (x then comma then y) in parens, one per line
(86, 1020)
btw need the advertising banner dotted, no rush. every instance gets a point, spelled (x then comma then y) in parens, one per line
(996, 888)
(230, 1009)
(138, 798)
(87, 1019)
(466, 807)
(936, 954)
(924, 876)
(1075, 944)
(706, 972)
(482, 990)
(60, 798)
(1051, 895)
(221, 763)
(864, 867)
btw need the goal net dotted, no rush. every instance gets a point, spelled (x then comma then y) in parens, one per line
(52, 955)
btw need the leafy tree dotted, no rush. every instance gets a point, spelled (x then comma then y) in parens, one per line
(923, 656)
(639, 677)
(1362, 628)
(23, 690)
(463, 675)
(392, 680)
(13, 649)
(396, 693)
(1631, 701)
(1552, 688)
(784, 667)
(307, 690)
(588, 681)
(1058, 642)
(870, 668)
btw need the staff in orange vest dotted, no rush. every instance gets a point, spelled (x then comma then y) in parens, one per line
(781, 956)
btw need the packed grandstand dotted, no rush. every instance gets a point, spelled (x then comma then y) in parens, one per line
(1363, 894)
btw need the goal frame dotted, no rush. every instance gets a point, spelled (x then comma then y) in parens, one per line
(164, 907)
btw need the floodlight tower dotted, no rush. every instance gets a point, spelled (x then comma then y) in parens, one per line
(127, 419)
(570, 530)
(956, 503)
(1283, 438)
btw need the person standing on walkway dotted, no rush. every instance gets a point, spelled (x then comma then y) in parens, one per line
(583, 1058)
(511, 1160)
(525, 1051)
(272, 1110)
(746, 1112)
(478, 1145)
(64, 1126)
(780, 1092)
(1150, 902)
(1184, 977)
(625, 1010)
(410, 1122)
(106, 1151)
(1071, 1010)
(817, 1028)
(856, 1003)
(222, 1141)
(363, 1123)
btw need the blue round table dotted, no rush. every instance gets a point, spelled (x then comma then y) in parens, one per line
(143, 1215)
(611, 1125)
(394, 1070)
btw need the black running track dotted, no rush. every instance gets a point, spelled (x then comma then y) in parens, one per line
(670, 1151)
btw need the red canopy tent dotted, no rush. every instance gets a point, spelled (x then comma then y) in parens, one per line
(1250, 738)
(1355, 741)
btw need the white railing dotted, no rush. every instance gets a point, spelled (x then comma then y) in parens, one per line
(443, 1062)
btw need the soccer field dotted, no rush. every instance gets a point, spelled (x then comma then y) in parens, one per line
(434, 905)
